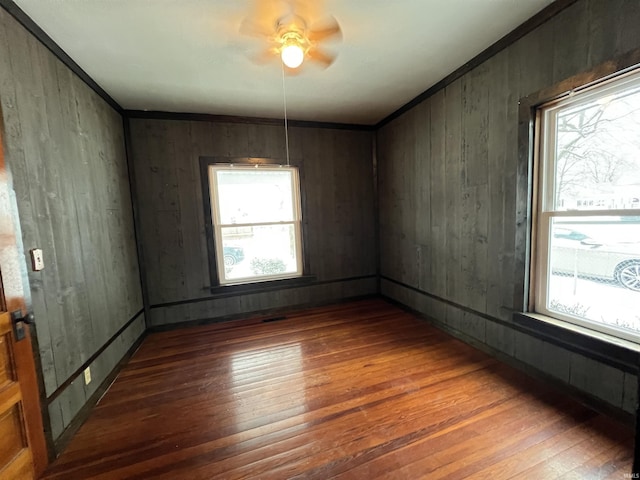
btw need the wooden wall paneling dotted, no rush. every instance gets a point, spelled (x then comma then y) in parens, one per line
(346, 191)
(625, 28)
(475, 123)
(602, 20)
(201, 141)
(89, 180)
(497, 241)
(181, 162)
(473, 325)
(15, 150)
(167, 208)
(454, 179)
(334, 177)
(325, 179)
(312, 195)
(72, 399)
(601, 380)
(439, 191)
(39, 183)
(630, 393)
(158, 161)
(510, 176)
(500, 338)
(161, 236)
(362, 205)
(354, 203)
(275, 141)
(344, 170)
(125, 275)
(146, 147)
(475, 198)
(531, 60)
(397, 249)
(365, 206)
(384, 144)
(366, 231)
(420, 156)
(64, 275)
(401, 248)
(556, 361)
(56, 423)
(66, 151)
(382, 165)
(409, 197)
(191, 211)
(571, 42)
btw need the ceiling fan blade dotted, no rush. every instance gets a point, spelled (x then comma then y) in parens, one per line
(253, 27)
(264, 17)
(324, 59)
(324, 29)
(265, 56)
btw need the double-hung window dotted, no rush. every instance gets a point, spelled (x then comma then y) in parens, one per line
(586, 255)
(256, 222)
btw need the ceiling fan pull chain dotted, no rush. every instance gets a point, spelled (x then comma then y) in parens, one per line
(286, 125)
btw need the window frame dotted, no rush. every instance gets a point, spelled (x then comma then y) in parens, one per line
(260, 284)
(543, 209)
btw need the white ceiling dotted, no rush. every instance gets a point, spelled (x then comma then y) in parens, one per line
(188, 56)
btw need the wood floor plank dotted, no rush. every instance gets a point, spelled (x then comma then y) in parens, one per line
(350, 391)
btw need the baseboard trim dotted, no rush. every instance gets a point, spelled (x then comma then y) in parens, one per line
(68, 433)
(263, 287)
(63, 386)
(258, 316)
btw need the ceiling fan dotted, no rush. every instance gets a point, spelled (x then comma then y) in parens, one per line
(293, 35)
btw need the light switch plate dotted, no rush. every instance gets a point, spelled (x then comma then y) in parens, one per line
(37, 261)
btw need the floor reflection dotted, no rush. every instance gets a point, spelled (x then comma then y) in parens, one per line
(267, 384)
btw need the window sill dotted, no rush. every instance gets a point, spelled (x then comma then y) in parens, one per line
(614, 351)
(264, 286)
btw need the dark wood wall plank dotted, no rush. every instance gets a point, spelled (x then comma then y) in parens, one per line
(438, 192)
(452, 158)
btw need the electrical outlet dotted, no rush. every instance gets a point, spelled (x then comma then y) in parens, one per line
(87, 375)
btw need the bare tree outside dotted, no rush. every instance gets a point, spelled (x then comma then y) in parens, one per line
(598, 153)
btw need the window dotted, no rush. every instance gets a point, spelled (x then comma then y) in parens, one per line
(587, 250)
(256, 222)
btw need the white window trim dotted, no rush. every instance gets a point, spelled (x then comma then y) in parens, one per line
(218, 226)
(544, 188)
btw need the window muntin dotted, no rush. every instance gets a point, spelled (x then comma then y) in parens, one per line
(588, 219)
(256, 222)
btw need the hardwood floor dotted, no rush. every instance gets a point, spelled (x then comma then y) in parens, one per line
(355, 391)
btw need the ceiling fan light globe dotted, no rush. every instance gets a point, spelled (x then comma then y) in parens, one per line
(292, 56)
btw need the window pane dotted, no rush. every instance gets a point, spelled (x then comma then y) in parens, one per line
(255, 196)
(261, 251)
(597, 153)
(595, 270)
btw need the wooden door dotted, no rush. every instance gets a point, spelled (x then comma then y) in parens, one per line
(23, 452)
